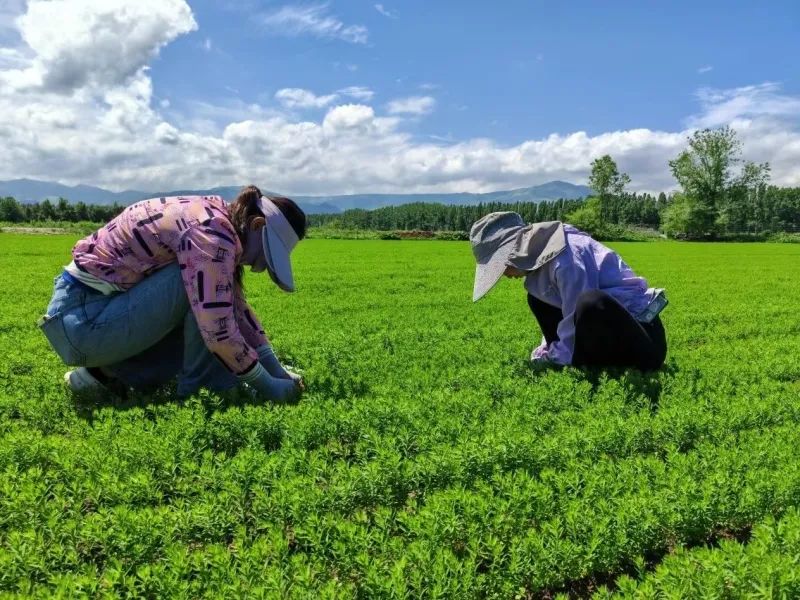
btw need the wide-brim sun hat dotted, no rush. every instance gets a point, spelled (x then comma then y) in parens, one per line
(493, 240)
(279, 239)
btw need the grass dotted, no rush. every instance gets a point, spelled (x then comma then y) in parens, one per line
(427, 459)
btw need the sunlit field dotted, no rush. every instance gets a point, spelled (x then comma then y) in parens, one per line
(427, 459)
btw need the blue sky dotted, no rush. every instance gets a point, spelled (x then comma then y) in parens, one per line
(523, 69)
(339, 97)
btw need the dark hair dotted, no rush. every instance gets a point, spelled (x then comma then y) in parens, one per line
(293, 213)
(245, 207)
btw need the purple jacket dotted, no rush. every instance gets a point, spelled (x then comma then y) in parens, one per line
(585, 264)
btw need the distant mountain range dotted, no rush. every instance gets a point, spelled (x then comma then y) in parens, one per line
(30, 190)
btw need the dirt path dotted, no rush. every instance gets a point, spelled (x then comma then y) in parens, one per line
(41, 230)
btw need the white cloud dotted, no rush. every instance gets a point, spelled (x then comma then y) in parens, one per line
(79, 43)
(108, 128)
(300, 98)
(357, 92)
(414, 105)
(348, 117)
(313, 20)
(211, 118)
(724, 107)
(12, 58)
(207, 45)
(392, 14)
(705, 69)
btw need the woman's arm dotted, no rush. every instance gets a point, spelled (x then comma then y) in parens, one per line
(255, 336)
(207, 257)
(248, 322)
(570, 279)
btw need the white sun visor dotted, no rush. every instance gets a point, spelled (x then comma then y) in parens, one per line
(279, 240)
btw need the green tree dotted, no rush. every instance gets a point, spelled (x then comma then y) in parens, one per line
(64, 210)
(81, 212)
(739, 210)
(588, 218)
(607, 182)
(703, 170)
(706, 173)
(10, 210)
(687, 217)
(46, 211)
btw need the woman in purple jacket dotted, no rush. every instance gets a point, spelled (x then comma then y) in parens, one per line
(592, 308)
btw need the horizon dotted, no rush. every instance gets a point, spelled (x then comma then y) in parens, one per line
(329, 98)
(321, 196)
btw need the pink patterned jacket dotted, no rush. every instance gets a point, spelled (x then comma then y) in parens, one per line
(196, 232)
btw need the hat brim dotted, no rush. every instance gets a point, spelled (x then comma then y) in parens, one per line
(489, 271)
(278, 261)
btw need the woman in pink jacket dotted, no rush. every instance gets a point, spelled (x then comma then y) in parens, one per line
(157, 293)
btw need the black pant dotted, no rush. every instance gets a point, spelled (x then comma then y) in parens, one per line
(606, 335)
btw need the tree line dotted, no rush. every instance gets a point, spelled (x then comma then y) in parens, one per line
(720, 193)
(769, 209)
(765, 209)
(427, 216)
(12, 211)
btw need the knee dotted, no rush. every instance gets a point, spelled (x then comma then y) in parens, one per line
(170, 272)
(167, 283)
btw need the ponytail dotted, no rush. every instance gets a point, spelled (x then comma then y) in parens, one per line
(244, 207)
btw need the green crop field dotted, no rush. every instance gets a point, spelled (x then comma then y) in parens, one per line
(426, 459)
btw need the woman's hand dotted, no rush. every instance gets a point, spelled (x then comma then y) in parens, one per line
(268, 359)
(298, 379)
(540, 353)
(275, 389)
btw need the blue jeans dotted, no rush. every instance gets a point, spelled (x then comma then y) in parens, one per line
(145, 336)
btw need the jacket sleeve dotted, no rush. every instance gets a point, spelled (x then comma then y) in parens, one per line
(207, 257)
(248, 322)
(570, 279)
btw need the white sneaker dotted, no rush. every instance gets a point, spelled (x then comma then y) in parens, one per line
(80, 381)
